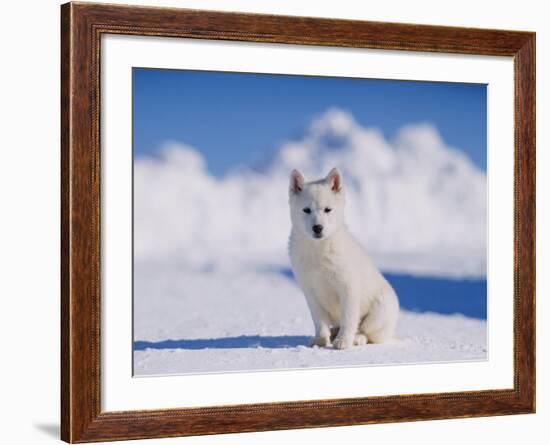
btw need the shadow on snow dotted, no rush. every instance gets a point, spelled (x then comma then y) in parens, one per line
(243, 341)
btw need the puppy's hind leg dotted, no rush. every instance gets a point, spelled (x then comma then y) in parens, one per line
(379, 324)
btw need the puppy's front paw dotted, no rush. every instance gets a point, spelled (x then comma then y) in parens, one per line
(360, 339)
(342, 343)
(321, 340)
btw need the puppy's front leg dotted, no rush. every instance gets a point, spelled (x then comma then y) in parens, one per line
(349, 321)
(321, 322)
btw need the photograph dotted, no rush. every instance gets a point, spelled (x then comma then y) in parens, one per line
(283, 222)
(275, 221)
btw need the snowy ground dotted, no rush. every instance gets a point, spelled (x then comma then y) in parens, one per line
(215, 321)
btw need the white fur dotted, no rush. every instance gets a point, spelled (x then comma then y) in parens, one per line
(349, 299)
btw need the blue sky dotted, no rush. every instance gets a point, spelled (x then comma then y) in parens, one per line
(237, 118)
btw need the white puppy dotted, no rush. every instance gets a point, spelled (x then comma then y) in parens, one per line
(351, 303)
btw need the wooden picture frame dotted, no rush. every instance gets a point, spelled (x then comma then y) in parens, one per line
(82, 25)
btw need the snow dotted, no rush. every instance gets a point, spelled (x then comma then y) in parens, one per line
(417, 204)
(229, 320)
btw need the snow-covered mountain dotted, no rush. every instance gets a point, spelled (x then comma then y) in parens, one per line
(418, 205)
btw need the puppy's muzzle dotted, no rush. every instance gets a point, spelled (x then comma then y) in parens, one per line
(317, 230)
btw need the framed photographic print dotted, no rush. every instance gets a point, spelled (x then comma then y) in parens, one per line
(275, 222)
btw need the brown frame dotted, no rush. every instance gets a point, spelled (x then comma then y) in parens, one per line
(82, 25)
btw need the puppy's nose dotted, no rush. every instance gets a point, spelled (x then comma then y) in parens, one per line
(317, 228)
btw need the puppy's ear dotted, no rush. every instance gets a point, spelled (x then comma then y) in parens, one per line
(334, 179)
(296, 181)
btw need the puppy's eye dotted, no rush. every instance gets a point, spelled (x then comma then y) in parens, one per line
(328, 210)
(307, 210)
